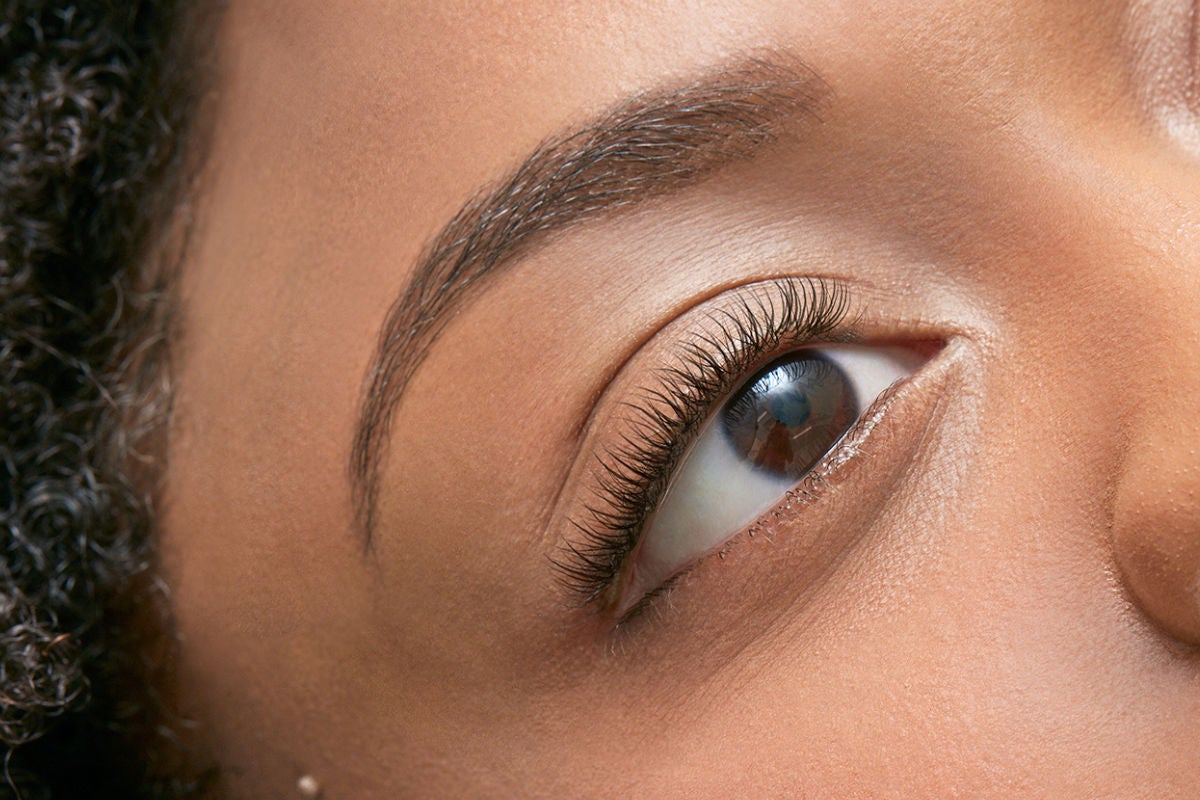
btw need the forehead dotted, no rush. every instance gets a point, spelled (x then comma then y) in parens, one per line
(348, 137)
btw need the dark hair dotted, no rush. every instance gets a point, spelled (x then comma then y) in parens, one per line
(97, 101)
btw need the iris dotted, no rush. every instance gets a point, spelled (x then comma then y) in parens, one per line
(789, 415)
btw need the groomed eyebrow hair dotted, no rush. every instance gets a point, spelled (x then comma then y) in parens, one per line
(647, 146)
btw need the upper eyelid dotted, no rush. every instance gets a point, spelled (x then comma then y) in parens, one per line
(687, 350)
(685, 315)
(756, 322)
(637, 349)
(694, 328)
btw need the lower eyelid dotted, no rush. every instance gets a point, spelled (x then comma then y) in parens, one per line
(822, 517)
(589, 567)
(708, 513)
(727, 479)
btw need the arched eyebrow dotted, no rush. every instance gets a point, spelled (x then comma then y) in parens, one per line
(647, 146)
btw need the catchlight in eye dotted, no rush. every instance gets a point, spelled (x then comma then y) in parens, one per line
(763, 440)
(789, 416)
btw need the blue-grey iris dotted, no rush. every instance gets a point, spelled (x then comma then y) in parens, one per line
(790, 414)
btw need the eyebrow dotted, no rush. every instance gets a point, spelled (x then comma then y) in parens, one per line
(647, 146)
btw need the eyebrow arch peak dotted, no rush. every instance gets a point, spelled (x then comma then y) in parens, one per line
(649, 145)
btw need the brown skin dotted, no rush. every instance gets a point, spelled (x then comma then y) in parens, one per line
(997, 599)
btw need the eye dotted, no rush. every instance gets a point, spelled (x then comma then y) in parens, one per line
(696, 451)
(761, 442)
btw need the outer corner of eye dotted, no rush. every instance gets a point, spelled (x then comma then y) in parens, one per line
(764, 439)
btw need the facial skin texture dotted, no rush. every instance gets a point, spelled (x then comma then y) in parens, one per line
(995, 598)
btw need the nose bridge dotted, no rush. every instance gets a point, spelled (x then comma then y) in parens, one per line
(1156, 512)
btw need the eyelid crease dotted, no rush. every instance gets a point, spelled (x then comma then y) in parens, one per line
(578, 431)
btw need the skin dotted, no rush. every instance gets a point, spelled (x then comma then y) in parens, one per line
(996, 598)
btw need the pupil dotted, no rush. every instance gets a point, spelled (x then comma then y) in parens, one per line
(789, 406)
(790, 415)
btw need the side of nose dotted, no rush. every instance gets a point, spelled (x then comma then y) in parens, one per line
(1156, 512)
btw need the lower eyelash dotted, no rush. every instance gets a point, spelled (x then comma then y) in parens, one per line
(631, 476)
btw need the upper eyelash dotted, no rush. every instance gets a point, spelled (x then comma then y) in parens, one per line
(631, 476)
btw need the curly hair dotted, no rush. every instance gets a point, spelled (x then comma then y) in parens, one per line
(97, 145)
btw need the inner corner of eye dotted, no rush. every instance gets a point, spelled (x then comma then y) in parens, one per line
(760, 442)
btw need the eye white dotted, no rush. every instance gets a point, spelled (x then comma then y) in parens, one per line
(715, 492)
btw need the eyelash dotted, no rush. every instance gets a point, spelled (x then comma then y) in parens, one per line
(632, 476)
